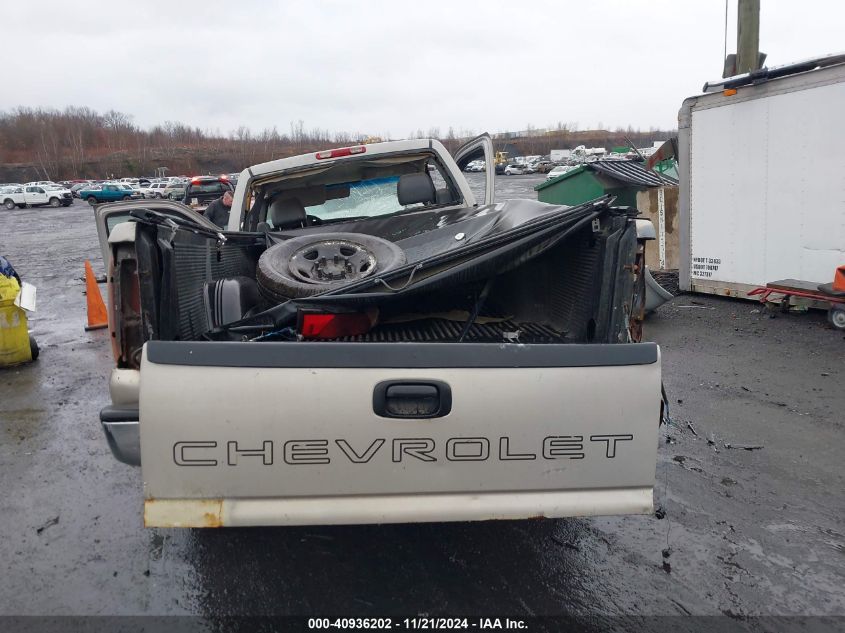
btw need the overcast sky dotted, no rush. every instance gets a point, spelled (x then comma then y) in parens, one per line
(389, 67)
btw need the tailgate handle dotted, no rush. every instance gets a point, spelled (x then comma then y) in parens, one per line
(412, 399)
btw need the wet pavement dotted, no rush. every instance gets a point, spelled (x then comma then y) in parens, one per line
(745, 532)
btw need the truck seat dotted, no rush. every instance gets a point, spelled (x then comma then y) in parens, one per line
(286, 213)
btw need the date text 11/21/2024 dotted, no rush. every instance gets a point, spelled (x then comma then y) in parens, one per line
(418, 623)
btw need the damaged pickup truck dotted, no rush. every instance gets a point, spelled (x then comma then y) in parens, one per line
(368, 343)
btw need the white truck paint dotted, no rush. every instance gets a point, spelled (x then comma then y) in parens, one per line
(762, 183)
(275, 433)
(35, 195)
(253, 460)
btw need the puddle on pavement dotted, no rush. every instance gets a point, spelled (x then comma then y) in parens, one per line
(20, 424)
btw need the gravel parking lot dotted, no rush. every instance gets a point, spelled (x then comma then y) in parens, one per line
(739, 532)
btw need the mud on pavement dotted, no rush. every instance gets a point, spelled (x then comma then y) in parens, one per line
(749, 488)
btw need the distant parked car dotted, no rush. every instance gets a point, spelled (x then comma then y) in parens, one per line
(59, 190)
(201, 190)
(132, 187)
(155, 190)
(174, 191)
(559, 171)
(39, 183)
(75, 189)
(109, 192)
(514, 170)
(34, 196)
(12, 196)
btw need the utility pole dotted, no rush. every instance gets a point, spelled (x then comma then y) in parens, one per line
(748, 36)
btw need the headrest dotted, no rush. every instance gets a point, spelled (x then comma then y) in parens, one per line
(444, 196)
(414, 188)
(286, 213)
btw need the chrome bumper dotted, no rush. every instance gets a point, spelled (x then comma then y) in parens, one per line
(120, 424)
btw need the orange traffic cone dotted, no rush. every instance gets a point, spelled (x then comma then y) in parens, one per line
(839, 279)
(97, 317)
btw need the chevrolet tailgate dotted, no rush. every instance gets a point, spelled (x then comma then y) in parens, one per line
(292, 433)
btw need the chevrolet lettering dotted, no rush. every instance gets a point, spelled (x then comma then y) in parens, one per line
(457, 449)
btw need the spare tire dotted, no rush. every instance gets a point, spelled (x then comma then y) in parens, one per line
(310, 264)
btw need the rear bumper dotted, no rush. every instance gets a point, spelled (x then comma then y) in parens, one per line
(120, 424)
(412, 508)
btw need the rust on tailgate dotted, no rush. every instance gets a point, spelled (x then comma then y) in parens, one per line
(197, 513)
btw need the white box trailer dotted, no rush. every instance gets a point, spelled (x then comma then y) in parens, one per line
(762, 179)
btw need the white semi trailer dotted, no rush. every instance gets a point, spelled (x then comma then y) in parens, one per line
(762, 178)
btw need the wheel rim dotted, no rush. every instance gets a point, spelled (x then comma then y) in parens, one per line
(332, 260)
(54, 202)
(10, 204)
(837, 317)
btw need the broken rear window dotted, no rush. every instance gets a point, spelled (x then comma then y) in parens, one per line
(358, 199)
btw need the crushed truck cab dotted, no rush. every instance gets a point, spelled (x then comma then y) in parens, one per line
(368, 343)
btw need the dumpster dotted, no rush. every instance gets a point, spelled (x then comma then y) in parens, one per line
(16, 345)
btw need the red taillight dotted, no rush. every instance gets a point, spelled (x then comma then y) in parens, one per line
(318, 325)
(314, 324)
(342, 151)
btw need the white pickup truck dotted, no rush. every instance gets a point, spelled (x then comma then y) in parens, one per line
(35, 195)
(368, 343)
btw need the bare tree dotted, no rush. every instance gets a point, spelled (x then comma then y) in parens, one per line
(119, 126)
(79, 141)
